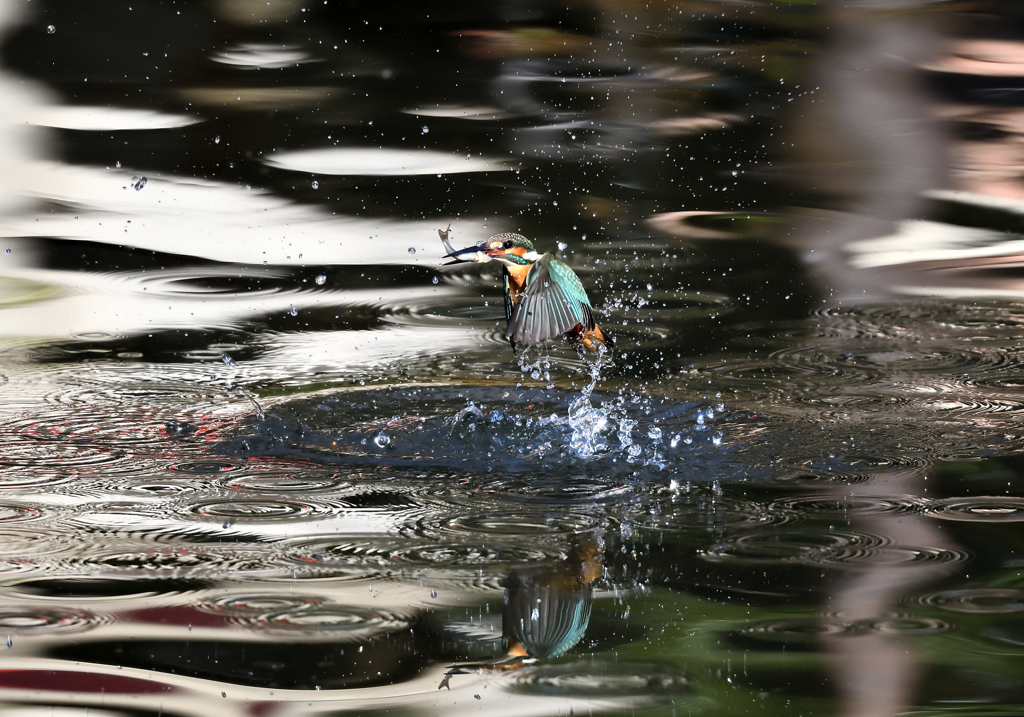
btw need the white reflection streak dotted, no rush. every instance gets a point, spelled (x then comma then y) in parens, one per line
(210, 220)
(254, 56)
(103, 118)
(382, 162)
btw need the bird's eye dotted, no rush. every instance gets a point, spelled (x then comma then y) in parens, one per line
(508, 244)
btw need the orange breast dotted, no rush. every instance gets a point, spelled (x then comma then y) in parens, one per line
(517, 280)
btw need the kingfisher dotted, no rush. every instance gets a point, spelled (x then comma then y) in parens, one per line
(544, 298)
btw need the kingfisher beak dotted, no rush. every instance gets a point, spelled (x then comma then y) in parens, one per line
(456, 256)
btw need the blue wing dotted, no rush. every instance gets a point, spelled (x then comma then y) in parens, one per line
(553, 302)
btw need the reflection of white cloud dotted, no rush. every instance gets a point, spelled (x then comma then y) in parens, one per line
(253, 56)
(385, 162)
(212, 220)
(105, 118)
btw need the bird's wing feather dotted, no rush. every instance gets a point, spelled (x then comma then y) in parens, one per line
(552, 303)
(509, 305)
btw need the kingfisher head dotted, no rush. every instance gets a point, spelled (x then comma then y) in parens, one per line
(508, 248)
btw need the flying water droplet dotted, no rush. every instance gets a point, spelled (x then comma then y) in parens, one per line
(320, 279)
(50, 29)
(228, 361)
(216, 140)
(316, 184)
(7, 251)
(248, 187)
(434, 280)
(433, 593)
(381, 440)
(716, 439)
(654, 434)
(425, 129)
(139, 183)
(294, 311)
(118, 164)
(562, 246)
(412, 250)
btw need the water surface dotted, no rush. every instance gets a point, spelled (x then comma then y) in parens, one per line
(260, 454)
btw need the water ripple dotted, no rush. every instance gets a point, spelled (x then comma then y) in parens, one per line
(36, 621)
(834, 549)
(986, 509)
(988, 601)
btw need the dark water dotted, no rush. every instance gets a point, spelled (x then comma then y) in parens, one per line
(261, 455)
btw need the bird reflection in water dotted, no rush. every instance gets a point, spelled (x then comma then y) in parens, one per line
(545, 610)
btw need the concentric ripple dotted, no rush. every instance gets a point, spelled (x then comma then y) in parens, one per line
(17, 513)
(721, 513)
(519, 524)
(828, 505)
(386, 556)
(791, 632)
(260, 605)
(192, 562)
(835, 548)
(260, 509)
(807, 633)
(36, 621)
(286, 482)
(337, 622)
(984, 509)
(989, 601)
(32, 464)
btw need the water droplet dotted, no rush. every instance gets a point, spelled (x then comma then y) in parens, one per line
(650, 288)
(425, 129)
(316, 184)
(717, 439)
(320, 279)
(562, 246)
(50, 29)
(139, 183)
(634, 450)
(216, 140)
(555, 204)
(117, 164)
(228, 361)
(10, 642)
(433, 593)
(294, 311)
(248, 187)
(412, 250)
(7, 250)
(434, 280)
(382, 440)
(654, 434)
(700, 419)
